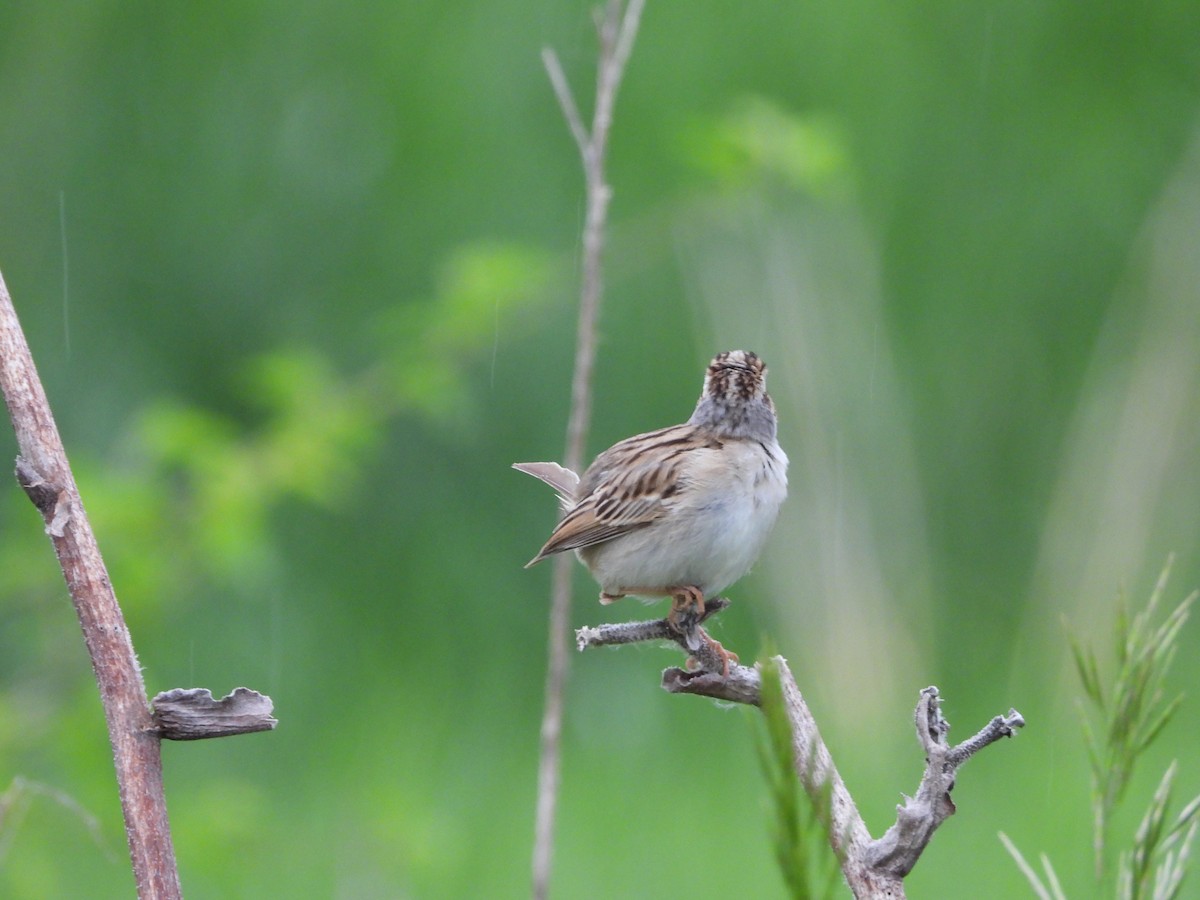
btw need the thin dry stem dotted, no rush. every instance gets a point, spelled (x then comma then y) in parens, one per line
(566, 100)
(617, 33)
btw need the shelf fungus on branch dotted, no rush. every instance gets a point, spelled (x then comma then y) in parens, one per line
(192, 714)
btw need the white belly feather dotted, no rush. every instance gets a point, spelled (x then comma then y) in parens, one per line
(714, 533)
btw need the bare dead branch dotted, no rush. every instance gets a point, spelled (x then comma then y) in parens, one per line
(743, 684)
(617, 33)
(651, 630)
(566, 100)
(920, 815)
(872, 868)
(44, 472)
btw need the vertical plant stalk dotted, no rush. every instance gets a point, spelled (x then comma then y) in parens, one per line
(45, 474)
(617, 29)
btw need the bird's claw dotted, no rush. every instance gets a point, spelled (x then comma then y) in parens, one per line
(695, 664)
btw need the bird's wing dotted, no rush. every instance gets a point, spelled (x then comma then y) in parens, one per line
(629, 486)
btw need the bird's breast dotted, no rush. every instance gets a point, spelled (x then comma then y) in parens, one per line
(716, 526)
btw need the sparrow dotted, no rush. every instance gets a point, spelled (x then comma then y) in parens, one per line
(681, 512)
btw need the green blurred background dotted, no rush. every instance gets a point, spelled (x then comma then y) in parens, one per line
(301, 279)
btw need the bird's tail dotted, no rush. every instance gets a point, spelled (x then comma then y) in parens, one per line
(563, 480)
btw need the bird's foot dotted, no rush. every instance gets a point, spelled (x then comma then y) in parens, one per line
(687, 605)
(687, 610)
(717, 651)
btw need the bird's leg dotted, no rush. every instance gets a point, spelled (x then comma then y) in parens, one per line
(715, 649)
(687, 609)
(682, 598)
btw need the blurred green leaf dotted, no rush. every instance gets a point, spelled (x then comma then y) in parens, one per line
(757, 139)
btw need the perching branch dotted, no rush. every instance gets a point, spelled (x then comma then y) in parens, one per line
(871, 867)
(742, 685)
(617, 30)
(45, 474)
